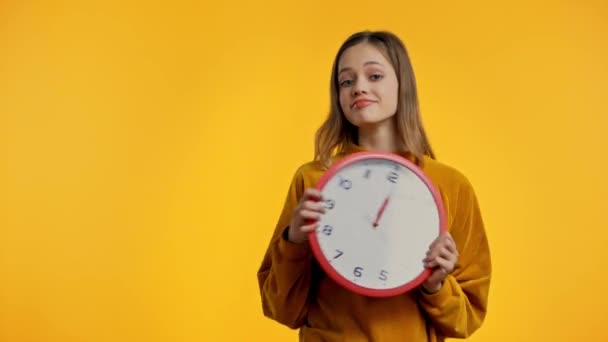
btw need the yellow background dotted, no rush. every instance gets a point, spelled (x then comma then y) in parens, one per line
(146, 149)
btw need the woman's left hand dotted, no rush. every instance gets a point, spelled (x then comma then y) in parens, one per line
(441, 259)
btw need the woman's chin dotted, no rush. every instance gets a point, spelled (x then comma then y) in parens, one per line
(369, 121)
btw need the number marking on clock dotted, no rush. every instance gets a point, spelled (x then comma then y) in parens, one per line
(393, 177)
(345, 184)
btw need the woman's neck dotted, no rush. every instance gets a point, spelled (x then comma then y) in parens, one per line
(380, 137)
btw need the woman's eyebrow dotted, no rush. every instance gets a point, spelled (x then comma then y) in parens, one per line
(366, 63)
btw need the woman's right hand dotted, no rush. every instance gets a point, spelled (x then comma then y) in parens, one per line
(306, 215)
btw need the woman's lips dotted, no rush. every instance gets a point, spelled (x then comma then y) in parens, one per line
(362, 103)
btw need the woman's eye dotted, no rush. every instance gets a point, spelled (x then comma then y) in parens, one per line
(376, 77)
(346, 83)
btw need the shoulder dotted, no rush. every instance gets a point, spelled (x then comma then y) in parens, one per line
(444, 173)
(452, 183)
(309, 167)
(307, 174)
(455, 188)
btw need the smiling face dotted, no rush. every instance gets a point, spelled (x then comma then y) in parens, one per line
(368, 86)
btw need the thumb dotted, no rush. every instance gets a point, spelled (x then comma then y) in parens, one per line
(434, 278)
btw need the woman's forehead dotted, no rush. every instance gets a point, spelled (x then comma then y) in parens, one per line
(361, 55)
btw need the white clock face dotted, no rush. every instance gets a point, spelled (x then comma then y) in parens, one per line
(375, 248)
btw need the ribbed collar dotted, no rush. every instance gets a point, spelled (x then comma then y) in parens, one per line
(354, 148)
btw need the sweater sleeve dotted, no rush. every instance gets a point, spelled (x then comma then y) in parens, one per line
(284, 276)
(459, 307)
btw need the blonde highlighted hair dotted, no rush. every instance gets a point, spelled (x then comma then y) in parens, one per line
(336, 133)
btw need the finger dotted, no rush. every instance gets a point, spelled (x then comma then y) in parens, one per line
(445, 241)
(445, 237)
(439, 261)
(434, 249)
(431, 253)
(450, 245)
(437, 277)
(310, 215)
(311, 193)
(446, 253)
(314, 206)
(309, 227)
(450, 238)
(434, 243)
(430, 263)
(445, 264)
(433, 280)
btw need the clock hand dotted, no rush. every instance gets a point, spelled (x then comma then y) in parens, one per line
(383, 206)
(381, 211)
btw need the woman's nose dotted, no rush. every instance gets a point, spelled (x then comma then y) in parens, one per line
(359, 88)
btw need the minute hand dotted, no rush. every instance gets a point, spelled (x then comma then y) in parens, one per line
(381, 211)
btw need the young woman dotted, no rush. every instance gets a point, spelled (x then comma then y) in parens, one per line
(374, 107)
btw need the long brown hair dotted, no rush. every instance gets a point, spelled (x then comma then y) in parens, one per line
(336, 133)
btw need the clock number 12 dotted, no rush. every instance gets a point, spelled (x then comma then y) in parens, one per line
(392, 177)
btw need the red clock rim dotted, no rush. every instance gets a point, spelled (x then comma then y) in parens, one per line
(316, 248)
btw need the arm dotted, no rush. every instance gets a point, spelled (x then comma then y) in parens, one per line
(284, 276)
(459, 307)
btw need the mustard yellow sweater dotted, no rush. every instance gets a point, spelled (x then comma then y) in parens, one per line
(297, 293)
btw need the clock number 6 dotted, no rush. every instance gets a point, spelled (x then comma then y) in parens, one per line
(357, 271)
